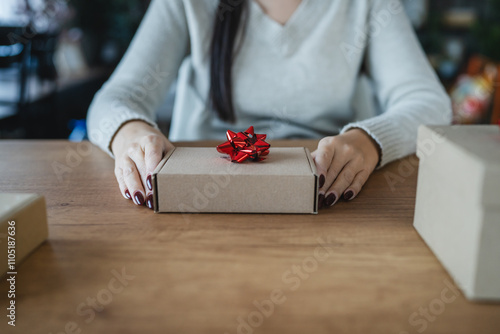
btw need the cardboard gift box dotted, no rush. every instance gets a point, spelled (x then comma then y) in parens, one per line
(195, 180)
(23, 227)
(457, 209)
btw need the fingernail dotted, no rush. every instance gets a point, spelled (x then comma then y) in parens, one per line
(149, 202)
(348, 195)
(139, 199)
(321, 200)
(330, 199)
(127, 194)
(148, 182)
(321, 180)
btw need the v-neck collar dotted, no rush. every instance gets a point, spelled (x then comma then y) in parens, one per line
(296, 12)
(285, 39)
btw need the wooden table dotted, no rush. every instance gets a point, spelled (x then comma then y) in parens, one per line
(358, 267)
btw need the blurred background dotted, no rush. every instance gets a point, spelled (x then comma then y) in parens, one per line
(56, 54)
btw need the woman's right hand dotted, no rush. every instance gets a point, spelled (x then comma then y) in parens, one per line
(138, 149)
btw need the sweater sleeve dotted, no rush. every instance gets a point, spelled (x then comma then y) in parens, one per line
(141, 81)
(406, 86)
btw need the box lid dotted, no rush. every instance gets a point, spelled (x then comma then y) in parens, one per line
(480, 141)
(10, 203)
(282, 161)
(464, 154)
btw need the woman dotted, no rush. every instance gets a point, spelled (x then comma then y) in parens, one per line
(287, 67)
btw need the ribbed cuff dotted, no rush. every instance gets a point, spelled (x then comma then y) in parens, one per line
(385, 133)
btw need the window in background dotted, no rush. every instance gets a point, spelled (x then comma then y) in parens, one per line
(11, 13)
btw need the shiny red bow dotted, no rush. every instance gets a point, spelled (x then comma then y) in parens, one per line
(245, 145)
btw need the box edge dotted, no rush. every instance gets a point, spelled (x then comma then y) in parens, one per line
(34, 200)
(154, 179)
(314, 171)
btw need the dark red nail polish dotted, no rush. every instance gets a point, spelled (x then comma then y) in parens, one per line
(149, 202)
(127, 194)
(348, 195)
(139, 199)
(148, 182)
(330, 199)
(322, 180)
(321, 201)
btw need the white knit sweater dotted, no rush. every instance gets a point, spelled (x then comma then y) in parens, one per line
(291, 81)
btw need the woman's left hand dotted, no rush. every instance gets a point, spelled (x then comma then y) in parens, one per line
(344, 164)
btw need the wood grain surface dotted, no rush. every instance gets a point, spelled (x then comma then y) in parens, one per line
(112, 267)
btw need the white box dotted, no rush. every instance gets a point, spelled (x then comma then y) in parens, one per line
(457, 209)
(23, 227)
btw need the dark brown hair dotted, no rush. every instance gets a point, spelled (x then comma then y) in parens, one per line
(230, 20)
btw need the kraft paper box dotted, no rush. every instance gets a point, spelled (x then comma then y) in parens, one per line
(23, 227)
(457, 210)
(195, 180)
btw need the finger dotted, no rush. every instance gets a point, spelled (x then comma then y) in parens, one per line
(343, 180)
(355, 188)
(121, 182)
(152, 157)
(154, 150)
(323, 158)
(321, 195)
(138, 156)
(133, 180)
(335, 168)
(338, 163)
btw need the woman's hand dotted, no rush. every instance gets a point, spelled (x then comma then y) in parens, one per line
(138, 148)
(344, 163)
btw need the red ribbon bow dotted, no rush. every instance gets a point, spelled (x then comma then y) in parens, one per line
(245, 145)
